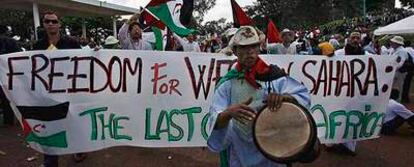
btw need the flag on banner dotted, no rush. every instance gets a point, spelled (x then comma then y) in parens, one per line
(239, 17)
(273, 35)
(37, 119)
(169, 11)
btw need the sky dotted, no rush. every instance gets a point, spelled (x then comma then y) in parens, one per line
(220, 10)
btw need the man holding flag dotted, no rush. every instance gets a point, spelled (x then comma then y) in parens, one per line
(162, 14)
(130, 35)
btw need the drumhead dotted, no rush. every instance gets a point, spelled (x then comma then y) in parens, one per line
(286, 134)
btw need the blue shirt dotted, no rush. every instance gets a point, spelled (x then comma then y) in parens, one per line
(241, 148)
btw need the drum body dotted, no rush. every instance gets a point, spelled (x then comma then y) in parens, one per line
(287, 135)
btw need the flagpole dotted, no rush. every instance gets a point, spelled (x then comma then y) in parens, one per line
(364, 9)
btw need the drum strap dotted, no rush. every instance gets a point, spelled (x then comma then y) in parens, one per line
(274, 74)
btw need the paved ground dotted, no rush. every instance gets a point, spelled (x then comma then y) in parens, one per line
(387, 151)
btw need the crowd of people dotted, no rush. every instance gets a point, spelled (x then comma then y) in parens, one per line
(357, 40)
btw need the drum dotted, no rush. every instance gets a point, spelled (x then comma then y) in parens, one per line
(287, 135)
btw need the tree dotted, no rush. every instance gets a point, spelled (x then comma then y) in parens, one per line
(23, 27)
(97, 27)
(291, 13)
(407, 3)
(305, 13)
(214, 26)
(201, 8)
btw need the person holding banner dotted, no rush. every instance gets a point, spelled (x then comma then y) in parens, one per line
(287, 46)
(189, 44)
(130, 35)
(55, 40)
(352, 47)
(240, 94)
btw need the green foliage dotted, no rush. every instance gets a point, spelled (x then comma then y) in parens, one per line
(307, 13)
(214, 26)
(97, 27)
(408, 3)
(20, 21)
(201, 8)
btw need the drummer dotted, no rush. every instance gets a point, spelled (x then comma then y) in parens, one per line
(240, 94)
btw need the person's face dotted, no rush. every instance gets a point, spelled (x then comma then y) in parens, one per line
(136, 32)
(247, 55)
(301, 34)
(83, 41)
(394, 45)
(355, 40)
(92, 44)
(287, 37)
(376, 43)
(190, 38)
(51, 24)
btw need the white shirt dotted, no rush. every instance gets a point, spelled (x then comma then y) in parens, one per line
(281, 49)
(401, 52)
(385, 50)
(399, 77)
(394, 108)
(410, 50)
(86, 47)
(340, 52)
(334, 43)
(236, 137)
(128, 43)
(188, 46)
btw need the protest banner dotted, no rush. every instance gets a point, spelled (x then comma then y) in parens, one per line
(72, 101)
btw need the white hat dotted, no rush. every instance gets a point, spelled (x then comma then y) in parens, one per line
(398, 40)
(110, 40)
(230, 32)
(286, 31)
(246, 35)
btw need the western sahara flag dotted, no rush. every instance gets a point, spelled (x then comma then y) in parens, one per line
(239, 17)
(43, 124)
(169, 12)
(156, 25)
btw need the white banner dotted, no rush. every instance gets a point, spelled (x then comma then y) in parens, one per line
(78, 101)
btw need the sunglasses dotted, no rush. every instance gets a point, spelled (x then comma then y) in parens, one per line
(47, 21)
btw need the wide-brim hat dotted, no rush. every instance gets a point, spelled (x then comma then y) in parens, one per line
(398, 40)
(111, 40)
(246, 35)
(230, 32)
(286, 31)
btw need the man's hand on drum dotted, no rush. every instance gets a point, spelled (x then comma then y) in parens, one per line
(274, 101)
